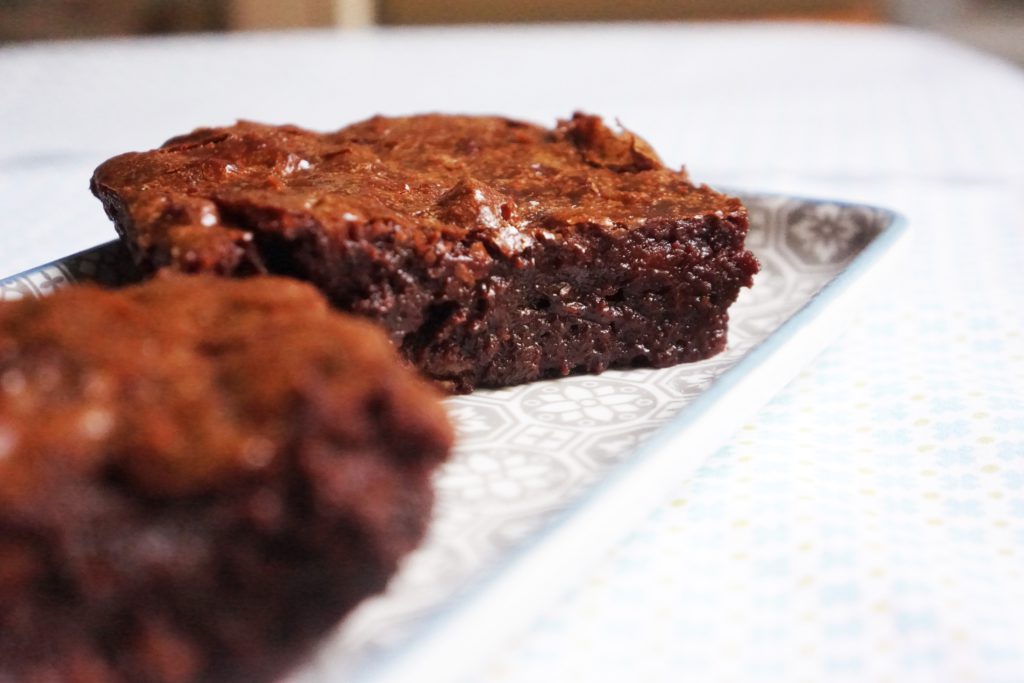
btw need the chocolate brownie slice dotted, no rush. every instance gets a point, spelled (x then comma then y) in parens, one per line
(493, 251)
(199, 479)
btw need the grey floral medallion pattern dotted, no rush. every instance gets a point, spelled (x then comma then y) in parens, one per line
(525, 454)
(829, 233)
(602, 450)
(597, 403)
(37, 283)
(502, 475)
(108, 265)
(479, 422)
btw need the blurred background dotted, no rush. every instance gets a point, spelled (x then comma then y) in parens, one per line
(994, 25)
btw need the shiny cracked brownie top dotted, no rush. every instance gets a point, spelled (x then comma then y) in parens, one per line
(428, 181)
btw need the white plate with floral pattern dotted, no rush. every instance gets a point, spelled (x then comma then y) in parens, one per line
(546, 476)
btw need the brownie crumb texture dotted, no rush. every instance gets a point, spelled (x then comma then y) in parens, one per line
(198, 479)
(492, 251)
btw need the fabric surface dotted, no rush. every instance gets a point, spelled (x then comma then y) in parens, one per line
(868, 524)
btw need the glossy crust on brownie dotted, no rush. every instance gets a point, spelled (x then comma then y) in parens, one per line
(493, 251)
(199, 479)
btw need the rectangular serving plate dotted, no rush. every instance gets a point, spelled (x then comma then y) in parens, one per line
(548, 476)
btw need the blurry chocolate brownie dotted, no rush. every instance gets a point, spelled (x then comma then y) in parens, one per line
(493, 251)
(197, 480)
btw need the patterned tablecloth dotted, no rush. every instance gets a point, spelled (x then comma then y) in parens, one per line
(868, 525)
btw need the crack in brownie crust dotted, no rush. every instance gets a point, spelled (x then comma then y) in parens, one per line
(198, 479)
(494, 252)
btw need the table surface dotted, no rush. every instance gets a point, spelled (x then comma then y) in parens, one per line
(868, 524)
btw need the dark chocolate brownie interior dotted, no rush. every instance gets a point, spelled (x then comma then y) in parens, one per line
(493, 251)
